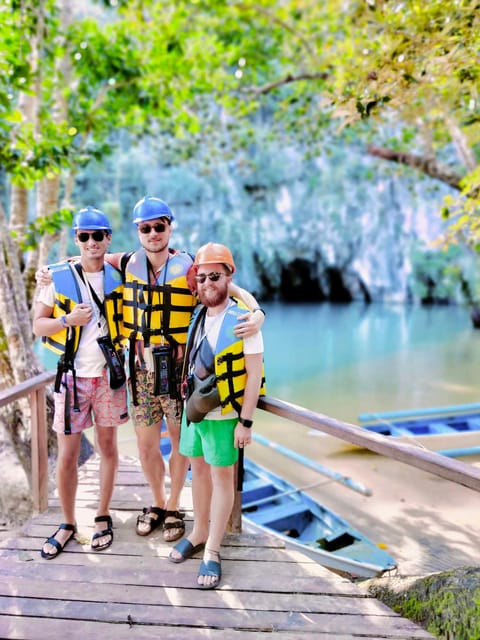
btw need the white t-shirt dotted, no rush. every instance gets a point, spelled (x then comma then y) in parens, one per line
(89, 360)
(251, 345)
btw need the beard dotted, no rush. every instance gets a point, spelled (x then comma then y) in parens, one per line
(213, 296)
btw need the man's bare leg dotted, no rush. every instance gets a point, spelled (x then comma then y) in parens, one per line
(221, 505)
(151, 459)
(106, 441)
(178, 466)
(67, 481)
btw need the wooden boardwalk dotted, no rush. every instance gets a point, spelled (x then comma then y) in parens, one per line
(132, 591)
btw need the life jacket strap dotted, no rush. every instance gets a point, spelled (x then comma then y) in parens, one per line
(131, 368)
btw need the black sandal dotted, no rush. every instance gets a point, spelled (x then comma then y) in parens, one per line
(55, 543)
(148, 518)
(100, 534)
(178, 524)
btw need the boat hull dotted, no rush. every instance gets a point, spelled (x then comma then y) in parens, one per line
(274, 506)
(435, 433)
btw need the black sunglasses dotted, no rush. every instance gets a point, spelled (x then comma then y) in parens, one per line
(98, 236)
(214, 276)
(158, 227)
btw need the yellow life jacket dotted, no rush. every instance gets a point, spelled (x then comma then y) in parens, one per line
(159, 313)
(68, 295)
(229, 359)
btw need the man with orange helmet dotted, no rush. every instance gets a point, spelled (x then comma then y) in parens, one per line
(218, 414)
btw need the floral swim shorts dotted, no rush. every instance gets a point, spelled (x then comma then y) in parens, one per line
(151, 409)
(97, 403)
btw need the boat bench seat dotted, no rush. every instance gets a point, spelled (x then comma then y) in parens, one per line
(338, 533)
(278, 512)
(424, 428)
(256, 490)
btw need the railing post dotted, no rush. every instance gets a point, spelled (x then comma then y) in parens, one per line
(39, 445)
(235, 521)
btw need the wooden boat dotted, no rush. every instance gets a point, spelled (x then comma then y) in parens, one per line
(449, 428)
(272, 505)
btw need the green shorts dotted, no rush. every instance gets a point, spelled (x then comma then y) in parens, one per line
(212, 439)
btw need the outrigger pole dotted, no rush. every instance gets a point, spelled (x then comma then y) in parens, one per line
(307, 462)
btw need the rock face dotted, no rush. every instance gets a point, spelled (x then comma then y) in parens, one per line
(446, 604)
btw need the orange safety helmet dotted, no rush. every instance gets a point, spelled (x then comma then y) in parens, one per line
(211, 253)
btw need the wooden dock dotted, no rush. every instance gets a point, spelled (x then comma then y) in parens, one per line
(132, 591)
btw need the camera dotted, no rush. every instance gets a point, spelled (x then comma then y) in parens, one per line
(114, 363)
(161, 367)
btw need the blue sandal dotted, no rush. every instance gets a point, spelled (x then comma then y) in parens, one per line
(210, 568)
(186, 549)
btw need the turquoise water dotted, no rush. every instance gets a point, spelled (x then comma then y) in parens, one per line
(343, 360)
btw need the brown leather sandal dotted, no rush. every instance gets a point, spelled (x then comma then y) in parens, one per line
(176, 529)
(153, 517)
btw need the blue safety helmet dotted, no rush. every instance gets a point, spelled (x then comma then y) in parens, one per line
(149, 208)
(91, 218)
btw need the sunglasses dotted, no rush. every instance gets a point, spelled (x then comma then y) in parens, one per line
(98, 236)
(159, 227)
(214, 276)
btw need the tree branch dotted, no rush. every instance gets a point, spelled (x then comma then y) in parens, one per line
(267, 88)
(427, 165)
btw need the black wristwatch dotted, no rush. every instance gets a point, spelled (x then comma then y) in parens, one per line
(246, 423)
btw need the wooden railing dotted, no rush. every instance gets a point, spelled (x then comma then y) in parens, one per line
(450, 469)
(35, 388)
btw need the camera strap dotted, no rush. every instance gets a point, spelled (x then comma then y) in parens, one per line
(99, 306)
(164, 309)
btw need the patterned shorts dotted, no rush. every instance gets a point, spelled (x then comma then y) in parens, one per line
(151, 409)
(97, 403)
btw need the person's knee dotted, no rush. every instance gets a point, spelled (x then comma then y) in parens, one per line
(108, 450)
(147, 452)
(67, 461)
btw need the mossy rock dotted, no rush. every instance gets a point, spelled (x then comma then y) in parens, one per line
(446, 604)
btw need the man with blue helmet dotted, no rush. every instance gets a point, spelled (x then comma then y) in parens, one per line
(79, 316)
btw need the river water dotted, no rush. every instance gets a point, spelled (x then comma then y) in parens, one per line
(344, 360)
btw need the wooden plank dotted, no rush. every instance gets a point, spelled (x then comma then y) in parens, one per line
(153, 547)
(88, 592)
(453, 470)
(250, 576)
(42, 629)
(250, 620)
(42, 527)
